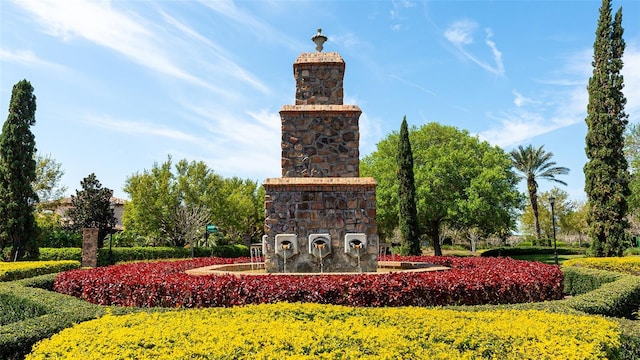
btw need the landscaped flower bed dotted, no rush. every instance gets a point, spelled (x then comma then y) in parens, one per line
(10, 271)
(312, 331)
(470, 281)
(627, 264)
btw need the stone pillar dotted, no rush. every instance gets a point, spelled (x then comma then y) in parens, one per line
(90, 247)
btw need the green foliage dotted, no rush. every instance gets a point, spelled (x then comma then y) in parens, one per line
(46, 313)
(570, 216)
(620, 298)
(15, 308)
(91, 208)
(18, 229)
(534, 164)
(633, 251)
(123, 254)
(48, 176)
(408, 216)
(234, 205)
(606, 171)
(459, 181)
(530, 250)
(41, 281)
(630, 339)
(53, 234)
(53, 254)
(580, 280)
(632, 152)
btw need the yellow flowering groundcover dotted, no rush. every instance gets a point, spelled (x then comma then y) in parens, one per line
(627, 264)
(24, 269)
(315, 331)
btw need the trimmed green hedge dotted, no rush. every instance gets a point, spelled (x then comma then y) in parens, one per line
(47, 313)
(630, 339)
(620, 298)
(532, 250)
(124, 254)
(579, 280)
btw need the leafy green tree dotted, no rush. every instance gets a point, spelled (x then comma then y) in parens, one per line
(632, 152)
(563, 208)
(53, 234)
(243, 217)
(234, 205)
(18, 228)
(575, 223)
(154, 197)
(48, 176)
(91, 208)
(534, 164)
(459, 181)
(606, 171)
(408, 219)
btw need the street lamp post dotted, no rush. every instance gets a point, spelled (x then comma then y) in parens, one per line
(552, 201)
(112, 207)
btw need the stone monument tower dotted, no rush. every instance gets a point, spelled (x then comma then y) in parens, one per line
(320, 216)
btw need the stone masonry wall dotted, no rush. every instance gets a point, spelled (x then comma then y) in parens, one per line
(320, 140)
(335, 206)
(319, 78)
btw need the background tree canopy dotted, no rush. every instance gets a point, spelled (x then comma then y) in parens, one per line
(160, 195)
(91, 208)
(460, 181)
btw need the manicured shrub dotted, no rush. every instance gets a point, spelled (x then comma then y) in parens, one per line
(23, 269)
(628, 264)
(312, 331)
(41, 282)
(15, 308)
(52, 254)
(46, 314)
(630, 339)
(531, 250)
(470, 281)
(620, 298)
(125, 254)
(578, 280)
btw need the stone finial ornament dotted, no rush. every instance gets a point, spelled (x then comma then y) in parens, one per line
(319, 40)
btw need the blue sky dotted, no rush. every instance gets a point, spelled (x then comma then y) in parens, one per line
(122, 84)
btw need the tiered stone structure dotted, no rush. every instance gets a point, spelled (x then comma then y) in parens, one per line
(320, 216)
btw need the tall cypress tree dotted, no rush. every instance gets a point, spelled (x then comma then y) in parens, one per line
(408, 216)
(17, 172)
(606, 171)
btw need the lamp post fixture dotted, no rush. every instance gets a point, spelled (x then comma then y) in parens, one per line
(552, 201)
(112, 207)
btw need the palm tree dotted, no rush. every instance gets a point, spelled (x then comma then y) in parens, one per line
(535, 164)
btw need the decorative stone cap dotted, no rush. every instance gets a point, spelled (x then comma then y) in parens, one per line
(320, 184)
(324, 108)
(319, 57)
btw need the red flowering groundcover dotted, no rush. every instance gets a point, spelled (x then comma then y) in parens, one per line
(471, 281)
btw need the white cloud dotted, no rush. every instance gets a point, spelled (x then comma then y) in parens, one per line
(27, 57)
(139, 128)
(520, 100)
(260, 29)
(460, 34)
(563, 103)
(122, 32)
